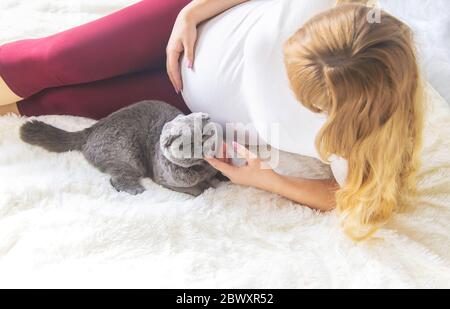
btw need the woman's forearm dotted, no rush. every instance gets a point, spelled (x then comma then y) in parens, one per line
(316, 194)
(201, 10)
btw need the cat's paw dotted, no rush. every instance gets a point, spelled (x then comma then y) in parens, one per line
(124, 185)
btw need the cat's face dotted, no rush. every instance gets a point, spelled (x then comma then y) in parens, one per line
(188, 138)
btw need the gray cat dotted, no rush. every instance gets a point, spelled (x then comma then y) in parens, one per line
(141, 140)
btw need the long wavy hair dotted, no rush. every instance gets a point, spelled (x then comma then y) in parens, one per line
(365, 77)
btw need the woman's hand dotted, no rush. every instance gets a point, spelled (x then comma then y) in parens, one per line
(252, 174)
(315, 193)
(182, 41)
(184, 34)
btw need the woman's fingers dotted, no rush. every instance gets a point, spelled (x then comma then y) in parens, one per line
(169, 73)
(225, 157)
(244, 152)
(189, 48)
(173, 63)
(173, 69)
(181, 42)
(225, 168)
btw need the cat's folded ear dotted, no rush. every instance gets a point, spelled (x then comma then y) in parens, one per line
(178, 117)
(168, 135)
(167, 140)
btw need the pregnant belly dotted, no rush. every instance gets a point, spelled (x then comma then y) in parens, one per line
(239, 74)
(215, 85)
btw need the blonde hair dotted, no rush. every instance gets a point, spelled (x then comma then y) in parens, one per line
(366, 78)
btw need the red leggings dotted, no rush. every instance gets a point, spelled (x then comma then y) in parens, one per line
(97, 68)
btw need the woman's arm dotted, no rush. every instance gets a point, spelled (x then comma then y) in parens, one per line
(200, 10)
(184, 34)
(316, 194)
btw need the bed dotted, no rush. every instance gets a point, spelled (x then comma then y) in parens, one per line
(62, 225)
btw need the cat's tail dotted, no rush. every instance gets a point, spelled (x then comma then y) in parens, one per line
(53, 139)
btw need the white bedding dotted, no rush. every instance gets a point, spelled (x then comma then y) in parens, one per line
(62, 225)
(431, 21)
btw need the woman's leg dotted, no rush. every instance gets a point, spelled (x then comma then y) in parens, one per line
(130, 40)
(99, 99)
(9, 108)
(6, 94)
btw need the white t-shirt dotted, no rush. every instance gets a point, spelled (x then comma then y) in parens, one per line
(239, 74)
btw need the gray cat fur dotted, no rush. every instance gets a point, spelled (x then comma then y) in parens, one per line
(136, 142)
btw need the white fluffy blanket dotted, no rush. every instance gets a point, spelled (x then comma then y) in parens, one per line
(62, 225)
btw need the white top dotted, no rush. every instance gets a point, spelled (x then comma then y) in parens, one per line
(239, 74)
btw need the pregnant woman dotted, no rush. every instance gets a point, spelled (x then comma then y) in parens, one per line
(341, 86)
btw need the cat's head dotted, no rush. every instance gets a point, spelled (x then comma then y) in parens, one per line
(187, 139)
